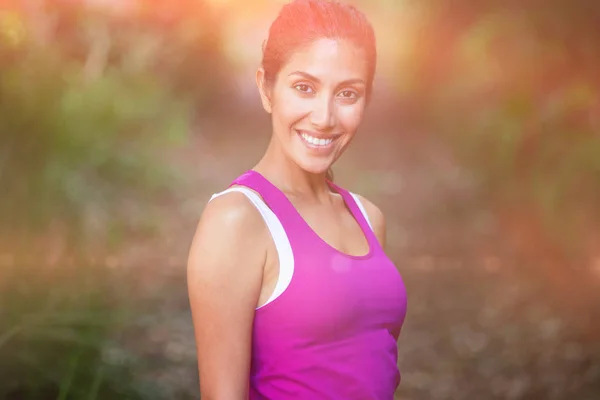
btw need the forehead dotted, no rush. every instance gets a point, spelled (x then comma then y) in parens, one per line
(329, 60)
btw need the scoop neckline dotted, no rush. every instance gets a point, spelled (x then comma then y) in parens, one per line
(335, 189)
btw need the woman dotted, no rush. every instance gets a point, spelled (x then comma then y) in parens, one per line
(292, 295)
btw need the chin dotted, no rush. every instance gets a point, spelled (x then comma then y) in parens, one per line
(312, 163)
(314, 168)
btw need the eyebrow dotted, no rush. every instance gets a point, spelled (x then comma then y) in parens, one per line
(314, 78)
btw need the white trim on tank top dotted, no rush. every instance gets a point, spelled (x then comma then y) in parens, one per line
(280, 238)
(362, 209)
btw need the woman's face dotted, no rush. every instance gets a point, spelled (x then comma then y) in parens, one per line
(317, 102)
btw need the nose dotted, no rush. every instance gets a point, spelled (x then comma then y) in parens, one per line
(322, 115)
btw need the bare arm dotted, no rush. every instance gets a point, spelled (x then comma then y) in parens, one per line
(224, 271)
(377, 220)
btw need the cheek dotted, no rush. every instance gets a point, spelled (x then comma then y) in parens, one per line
(290, 107)
(350, 116)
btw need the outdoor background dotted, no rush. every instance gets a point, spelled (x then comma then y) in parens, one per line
(118, 120)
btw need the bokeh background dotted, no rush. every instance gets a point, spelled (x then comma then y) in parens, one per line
(119, 118)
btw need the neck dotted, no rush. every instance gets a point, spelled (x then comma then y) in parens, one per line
(291, 178)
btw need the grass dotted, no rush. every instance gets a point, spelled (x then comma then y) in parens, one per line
(58, 326)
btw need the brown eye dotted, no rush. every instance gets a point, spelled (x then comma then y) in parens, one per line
(348, 94)
(303, 88)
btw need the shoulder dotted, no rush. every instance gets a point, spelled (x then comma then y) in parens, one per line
(231, 210)
(376, 217)
(228, 222)
(232, 214)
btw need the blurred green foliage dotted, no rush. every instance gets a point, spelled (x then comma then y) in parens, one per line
(514, 89)
(68, 142)
(91, 100)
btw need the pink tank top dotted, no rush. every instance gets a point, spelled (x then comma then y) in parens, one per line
(332, 333)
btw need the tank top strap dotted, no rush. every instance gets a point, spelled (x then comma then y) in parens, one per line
(356, 211)
(275, 199)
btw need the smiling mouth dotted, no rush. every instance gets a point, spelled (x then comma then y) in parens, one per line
(314, 141)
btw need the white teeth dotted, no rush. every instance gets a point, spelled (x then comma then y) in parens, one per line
(315, 141)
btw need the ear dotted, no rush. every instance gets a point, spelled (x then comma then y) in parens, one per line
(263, 89)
